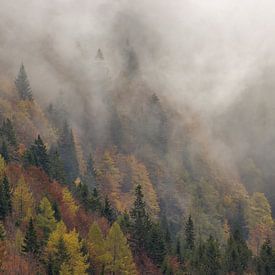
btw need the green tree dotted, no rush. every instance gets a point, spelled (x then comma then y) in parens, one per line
(7, 131)
(266, 260)
(140, 221)
(5, 198)
(45, 218)
(237, 254)
(23, 86)
(66, 146)
(95, 201)
(155, 245)
(30, 243)
(4, 152)
(57, 171)
(108, 211)
(121, 260)
(189, 234)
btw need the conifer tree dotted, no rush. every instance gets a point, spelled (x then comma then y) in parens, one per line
(95, 201)
(237, 254)
(121, 260)
(108, 211)
(189, 234)
(83, 194)
(90, 177)
(30, 243)
(140, 220)
(266, 260)
(7, 194)
(41, 154)
(57, 214)
(4, 152)
(155, 245)
(5, 199)
(8, 133)
(57, 171)
(68, 153)
(23, 86)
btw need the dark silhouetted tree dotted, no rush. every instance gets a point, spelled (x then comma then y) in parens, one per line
(22, 85)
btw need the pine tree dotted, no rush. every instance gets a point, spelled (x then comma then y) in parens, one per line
(237, 254)
(23, 86)
(4, 152)
(30, 244)
(212, 257)
(8, 132)
(266, 260)
(68, 153)
(90, 177)
(41, 154)
(120, 259)
(189, 234)
(5, 199)
(140, 220)
(57, 171)
(156, 245)
(83, 194)
(57, 214)
(95, 201)
(7, 194)
(108, 211)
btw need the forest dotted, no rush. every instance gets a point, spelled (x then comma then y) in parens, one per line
(105, 170)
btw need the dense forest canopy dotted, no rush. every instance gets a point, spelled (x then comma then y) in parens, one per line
(137, 138)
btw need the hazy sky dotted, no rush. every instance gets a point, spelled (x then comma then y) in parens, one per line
(199, 51)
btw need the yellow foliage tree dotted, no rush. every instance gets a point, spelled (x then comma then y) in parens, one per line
(22, 201)
(121, 260)
(97, 248)
(76, 262)
(69, 201)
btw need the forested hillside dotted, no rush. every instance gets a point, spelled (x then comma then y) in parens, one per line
(130, 188)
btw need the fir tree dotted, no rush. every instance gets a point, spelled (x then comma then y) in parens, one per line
(57, 171)
(83, 194)
(8, 132)
(108, 211)
(189, 234)
(266, 260)
(155, 245)
(30, 243)
(5, 198)
(68, 153)
(57, 214)
(41, 154)
(95, 201)
(4, 152)
(237, 254)
(7, 194)
(23, 86)
(140, 221)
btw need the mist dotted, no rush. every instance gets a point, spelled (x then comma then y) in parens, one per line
(201, 54)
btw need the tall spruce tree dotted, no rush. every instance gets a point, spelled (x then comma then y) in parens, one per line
(5, 198)
(68, 153)
(107, 211)
(7, 131)
(266, 259)
(57, 171)
(237, 254)
(189, 234)
(4, 152)
(22, 85)
(30, 243)
(140, 221)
